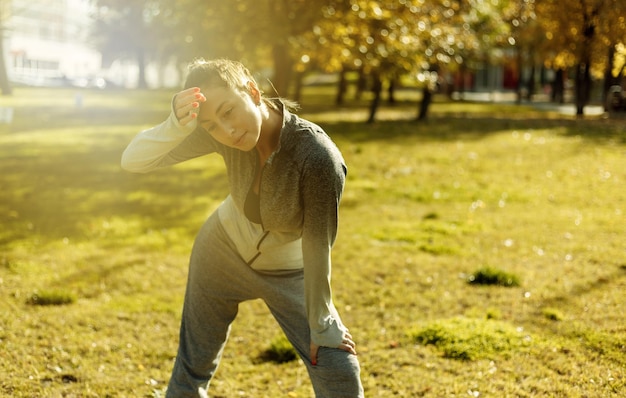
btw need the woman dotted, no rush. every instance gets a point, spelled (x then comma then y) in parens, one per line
(272, 236)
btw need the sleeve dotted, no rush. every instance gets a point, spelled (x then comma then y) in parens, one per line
(324, 178)
(165, 144)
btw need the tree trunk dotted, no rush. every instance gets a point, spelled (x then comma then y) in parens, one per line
(282, 69)
(391, 91)
(583, 87)
(297, 95)
(558, 87)
(141, 64)
(342, 87)
(519, 85)
(462, 87)
(531, 83)
(427, 98)
(609, 79)
(583, 74)
(377, 88)
(5, 85)
(361, 84)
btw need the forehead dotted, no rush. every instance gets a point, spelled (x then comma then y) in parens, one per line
(216, 97)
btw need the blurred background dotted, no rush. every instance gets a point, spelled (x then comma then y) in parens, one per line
(558, 51)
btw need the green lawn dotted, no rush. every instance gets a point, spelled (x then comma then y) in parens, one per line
(427, 207)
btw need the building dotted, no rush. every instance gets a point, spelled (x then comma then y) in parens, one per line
(45, 42)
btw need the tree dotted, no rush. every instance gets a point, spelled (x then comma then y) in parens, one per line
(524, 39)
(5, 85)
(371, 37)
(615, 37)
(389, 38)
(263, 33)
(286, 21)
(132, 29)
(581, 38)
(119, 31)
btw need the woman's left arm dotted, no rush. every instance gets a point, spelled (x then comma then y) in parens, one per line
(323, 182)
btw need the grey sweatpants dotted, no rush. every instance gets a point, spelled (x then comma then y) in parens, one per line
(218, 281)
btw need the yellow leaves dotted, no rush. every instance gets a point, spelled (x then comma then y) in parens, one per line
(376, 10)
(563, 60)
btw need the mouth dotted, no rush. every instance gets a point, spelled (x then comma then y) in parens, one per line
(239, 140)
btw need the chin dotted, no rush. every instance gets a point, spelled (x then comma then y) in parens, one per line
(247, 147)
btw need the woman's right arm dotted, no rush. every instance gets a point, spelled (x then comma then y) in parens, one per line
(173, 141)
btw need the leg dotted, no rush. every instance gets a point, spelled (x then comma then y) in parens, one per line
(211, 303)
(336, 374)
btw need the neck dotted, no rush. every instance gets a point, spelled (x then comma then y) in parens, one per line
(270, 132)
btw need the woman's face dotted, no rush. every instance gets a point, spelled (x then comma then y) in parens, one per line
(232, 117)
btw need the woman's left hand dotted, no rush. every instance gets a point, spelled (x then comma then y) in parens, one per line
(347, 345)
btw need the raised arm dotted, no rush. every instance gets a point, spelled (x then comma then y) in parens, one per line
(175, 140)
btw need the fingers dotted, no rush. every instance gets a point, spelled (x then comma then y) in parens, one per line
(313, 352)
(348, 344)
(187, 104)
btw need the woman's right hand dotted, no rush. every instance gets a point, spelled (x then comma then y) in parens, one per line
(347, 344)
(187, 105)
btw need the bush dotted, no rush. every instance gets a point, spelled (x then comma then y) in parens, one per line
(470, 339)
(553, 314)
(491, 276)
(280, 351)
(52, 297)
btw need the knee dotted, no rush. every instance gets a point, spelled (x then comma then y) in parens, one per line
(337, 374)
(338, 360)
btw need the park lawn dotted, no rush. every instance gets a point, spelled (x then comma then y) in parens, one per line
(427, 206)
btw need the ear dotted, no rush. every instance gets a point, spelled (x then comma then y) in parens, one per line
(254, 92)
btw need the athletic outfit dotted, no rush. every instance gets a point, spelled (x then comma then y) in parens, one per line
(275, 246)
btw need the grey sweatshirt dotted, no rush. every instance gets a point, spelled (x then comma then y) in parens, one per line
(301, 186)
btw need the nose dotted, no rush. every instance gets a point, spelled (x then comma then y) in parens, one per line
(224, 129)
(228, 128)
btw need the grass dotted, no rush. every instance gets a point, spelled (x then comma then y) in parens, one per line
(536, 195)
(473, 339)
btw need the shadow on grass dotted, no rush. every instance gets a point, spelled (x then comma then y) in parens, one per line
(453, 128)
(67, 192)
(607, 344)
(55, 188)
(67, 118)
(37, 108)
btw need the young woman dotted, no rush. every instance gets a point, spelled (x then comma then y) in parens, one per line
(272, 236)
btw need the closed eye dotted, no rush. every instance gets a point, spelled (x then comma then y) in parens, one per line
(208, 127)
